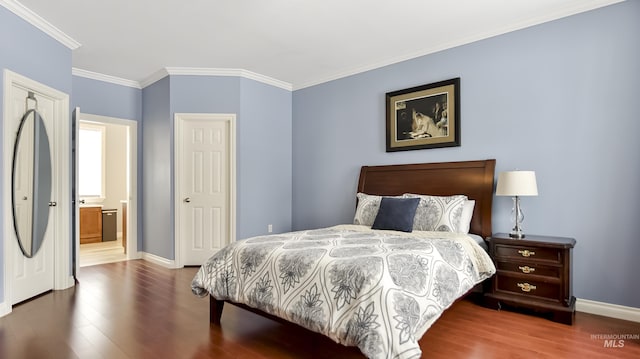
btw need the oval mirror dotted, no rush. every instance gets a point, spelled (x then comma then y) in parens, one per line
(31, 183)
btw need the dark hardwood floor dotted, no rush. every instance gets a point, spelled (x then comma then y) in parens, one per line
(137, 309)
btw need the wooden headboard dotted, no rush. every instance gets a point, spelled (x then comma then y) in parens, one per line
(471, 178)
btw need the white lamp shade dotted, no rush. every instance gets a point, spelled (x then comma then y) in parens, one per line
(517, 183)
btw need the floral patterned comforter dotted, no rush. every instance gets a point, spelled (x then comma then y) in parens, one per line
(377, 290)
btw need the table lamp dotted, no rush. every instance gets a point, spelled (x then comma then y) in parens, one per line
(517, 184)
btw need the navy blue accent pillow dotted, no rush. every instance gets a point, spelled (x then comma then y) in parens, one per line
(396, 214)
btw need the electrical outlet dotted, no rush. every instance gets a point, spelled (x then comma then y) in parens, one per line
(270, 228)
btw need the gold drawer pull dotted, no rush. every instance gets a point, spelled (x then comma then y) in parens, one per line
(527, 269)
(526, 287)
(526, 253)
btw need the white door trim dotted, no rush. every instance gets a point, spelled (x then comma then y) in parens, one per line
(132, 205)
(62, 246)
(179, 119)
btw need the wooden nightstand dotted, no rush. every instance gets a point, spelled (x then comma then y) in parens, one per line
(532, 273)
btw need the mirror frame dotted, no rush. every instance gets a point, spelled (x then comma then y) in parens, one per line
(40, 181)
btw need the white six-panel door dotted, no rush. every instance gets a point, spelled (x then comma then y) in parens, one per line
(204, 186)
(32, 276)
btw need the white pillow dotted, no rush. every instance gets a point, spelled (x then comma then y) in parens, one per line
(439, 213)
(367, 208)
(465, 218)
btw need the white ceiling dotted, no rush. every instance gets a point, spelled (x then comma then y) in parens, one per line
(298, 42)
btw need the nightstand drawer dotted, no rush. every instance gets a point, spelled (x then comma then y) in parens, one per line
(529, 268)
(545, 254)
(527, 287)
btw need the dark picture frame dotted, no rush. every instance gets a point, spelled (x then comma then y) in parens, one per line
(426, 116)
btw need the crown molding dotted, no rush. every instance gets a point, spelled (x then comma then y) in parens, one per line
(154, 77)
(40, 23)
(182, 71)
(205, 71)
(574, 9)
(105, 78)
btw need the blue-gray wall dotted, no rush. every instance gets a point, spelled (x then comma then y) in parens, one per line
(263, 146)
(106, 99)
(264, 159)
(157, 203)
(263, 152)
(29, 52)
(560, 98)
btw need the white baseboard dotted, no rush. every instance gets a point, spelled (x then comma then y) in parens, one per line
(4, 309)
(69, 282)
(608, 310)
(167, 263)
(135, 255)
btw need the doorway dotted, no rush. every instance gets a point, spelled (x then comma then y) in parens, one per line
(106, 226)
(204, 180)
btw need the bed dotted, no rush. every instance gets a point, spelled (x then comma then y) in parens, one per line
(377, 289)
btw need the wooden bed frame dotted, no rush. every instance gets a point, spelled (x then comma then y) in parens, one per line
(471, 178)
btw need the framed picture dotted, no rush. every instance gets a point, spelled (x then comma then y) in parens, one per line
(426, 116)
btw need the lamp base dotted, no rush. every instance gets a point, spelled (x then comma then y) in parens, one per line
(518, 217)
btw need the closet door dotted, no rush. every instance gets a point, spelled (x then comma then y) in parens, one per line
(33, 276)
(49, 267)
(204, 165)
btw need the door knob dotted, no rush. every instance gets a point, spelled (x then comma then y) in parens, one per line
(53, 204)
(187, 199)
